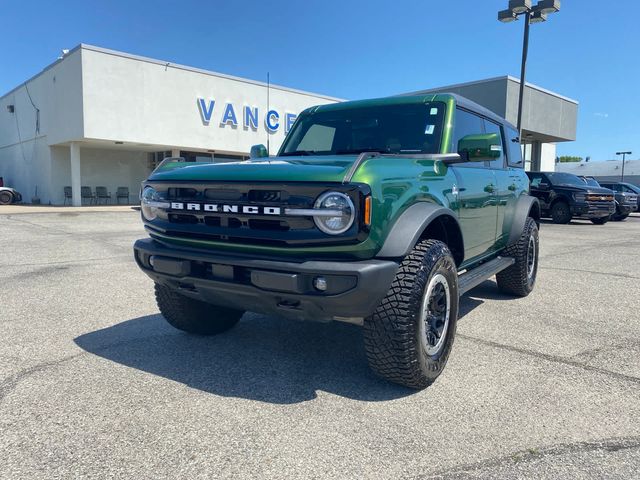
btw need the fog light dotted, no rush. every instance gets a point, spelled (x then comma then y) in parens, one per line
(320, 283)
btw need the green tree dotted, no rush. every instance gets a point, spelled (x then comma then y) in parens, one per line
(568, 158)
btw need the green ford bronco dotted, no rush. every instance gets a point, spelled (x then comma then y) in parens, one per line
(376, 212)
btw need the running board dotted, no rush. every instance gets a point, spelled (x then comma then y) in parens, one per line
(475, 277)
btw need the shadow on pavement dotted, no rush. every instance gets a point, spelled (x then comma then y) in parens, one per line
(267, 359)
(487, 290)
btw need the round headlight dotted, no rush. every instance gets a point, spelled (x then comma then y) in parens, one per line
(149, 202)
(338, 213)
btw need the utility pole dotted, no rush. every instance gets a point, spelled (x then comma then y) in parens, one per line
(624, 156)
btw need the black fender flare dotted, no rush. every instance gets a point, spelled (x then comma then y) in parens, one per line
(525, 206)
(409, 226)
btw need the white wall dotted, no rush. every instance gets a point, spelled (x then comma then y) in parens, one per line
(149, 102)
(25, 158)
(548, 157)
(99, 167)
(608, 168)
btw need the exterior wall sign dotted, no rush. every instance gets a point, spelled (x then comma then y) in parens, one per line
(248, 115)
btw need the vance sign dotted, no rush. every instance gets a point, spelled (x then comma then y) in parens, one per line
(249, 116)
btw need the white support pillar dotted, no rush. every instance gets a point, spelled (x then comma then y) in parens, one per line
(175, 152)
(76, 182)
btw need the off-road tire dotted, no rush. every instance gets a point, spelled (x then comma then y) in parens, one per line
(392, 335)
(561, 213)
(6, 198)
(601, 220)
(194, 316)
(520, 278)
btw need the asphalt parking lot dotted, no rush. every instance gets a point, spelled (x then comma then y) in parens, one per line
(93, 383)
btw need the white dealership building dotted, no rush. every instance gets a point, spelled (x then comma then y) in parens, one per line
(98, 117)
(102, 118)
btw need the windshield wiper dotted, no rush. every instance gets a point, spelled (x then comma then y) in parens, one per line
(298, 153)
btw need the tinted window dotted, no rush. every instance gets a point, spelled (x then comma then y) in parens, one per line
(514, 150)
(466, 123)
(560, 178)
(318, 138)
(591, 181)
(490, 127)
(397, 128)
(535, 179)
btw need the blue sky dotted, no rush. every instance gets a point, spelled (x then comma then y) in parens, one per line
(358, 49)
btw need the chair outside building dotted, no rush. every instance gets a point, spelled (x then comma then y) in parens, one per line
(68, 195)
(122, 192)
(103, 194)
(87, 193)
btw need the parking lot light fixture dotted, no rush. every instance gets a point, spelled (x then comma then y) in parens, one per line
(624, 156)
(538, 17)
(535, 14)
(548, 6)
(519, 6)
(506, 16)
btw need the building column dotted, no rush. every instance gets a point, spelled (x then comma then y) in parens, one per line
(536, 155)
(175, 152)
(76, 182)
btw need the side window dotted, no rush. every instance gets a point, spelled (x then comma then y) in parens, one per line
(490, 127)
(536, 179)
(466, 123)
(514, 151)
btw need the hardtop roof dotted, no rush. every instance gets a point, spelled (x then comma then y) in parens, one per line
(414, 99)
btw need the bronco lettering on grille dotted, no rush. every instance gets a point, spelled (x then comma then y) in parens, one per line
(218, 208)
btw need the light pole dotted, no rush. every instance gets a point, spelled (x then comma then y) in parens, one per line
(624, 156)
(531, 14)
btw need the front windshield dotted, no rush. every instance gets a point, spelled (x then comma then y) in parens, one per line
(399, 128)
(560, 178)
(591, 181)
(632, 187)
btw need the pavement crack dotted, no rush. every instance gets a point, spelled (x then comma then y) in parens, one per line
(553, 358)
(606, 274)
(607, 445)
(67, 262)
(586, 248)
(10, 383)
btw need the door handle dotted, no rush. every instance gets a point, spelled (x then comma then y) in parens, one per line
(512, 187)
(490, 188)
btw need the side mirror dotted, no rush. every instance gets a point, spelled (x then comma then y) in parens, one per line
(258, 151)
(485, 146)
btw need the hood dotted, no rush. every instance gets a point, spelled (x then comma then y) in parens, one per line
(586, 188)
(600, 190)
(278, 169)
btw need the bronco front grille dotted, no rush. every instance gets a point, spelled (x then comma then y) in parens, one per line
(259, 225)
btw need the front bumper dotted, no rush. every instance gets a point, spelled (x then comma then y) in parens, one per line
(625, 209)
(593, 209)
(354, 289)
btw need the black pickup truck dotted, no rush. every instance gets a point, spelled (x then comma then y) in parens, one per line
(564, 196)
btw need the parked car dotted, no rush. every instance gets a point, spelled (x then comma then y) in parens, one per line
(564, 196)
(9, 195)
(624, 187)
(366, 216)
(625, 202)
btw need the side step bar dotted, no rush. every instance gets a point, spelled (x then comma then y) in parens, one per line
(475, 277)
